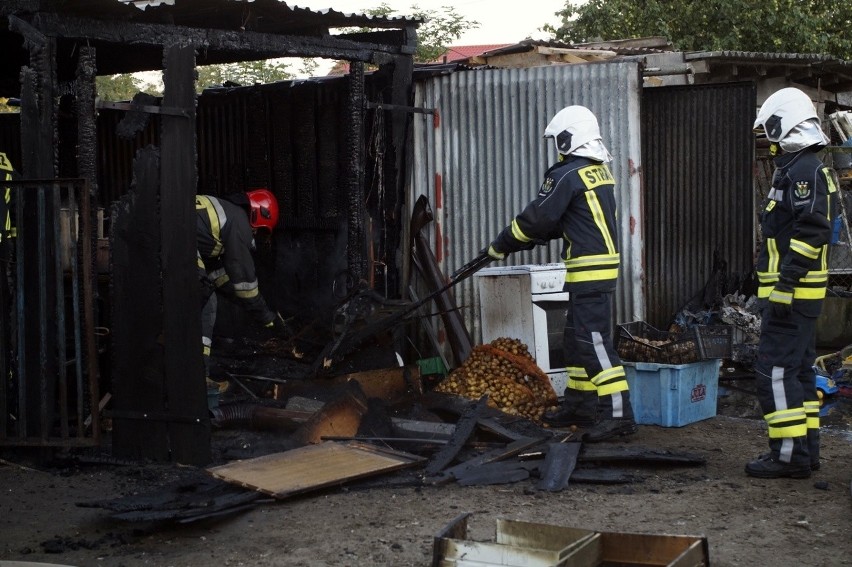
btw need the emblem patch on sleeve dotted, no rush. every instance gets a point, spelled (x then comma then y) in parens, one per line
(803, 189)
(546, 186)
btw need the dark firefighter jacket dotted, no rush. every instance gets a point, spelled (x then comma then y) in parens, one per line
(576, 202)
(796, 227)
(225, 244)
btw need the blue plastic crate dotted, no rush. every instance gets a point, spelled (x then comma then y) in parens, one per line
(673, 395)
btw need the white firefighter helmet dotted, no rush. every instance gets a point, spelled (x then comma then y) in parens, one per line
(784, 110)
(572, 127)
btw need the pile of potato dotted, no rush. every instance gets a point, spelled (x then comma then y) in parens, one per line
(506, 372)
(669, 351)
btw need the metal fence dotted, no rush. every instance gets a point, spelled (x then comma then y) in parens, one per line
(50, 393)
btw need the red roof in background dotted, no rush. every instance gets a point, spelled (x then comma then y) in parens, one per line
(462, 52)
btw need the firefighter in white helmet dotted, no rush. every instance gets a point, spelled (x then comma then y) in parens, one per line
(576, 202)
(792, 271)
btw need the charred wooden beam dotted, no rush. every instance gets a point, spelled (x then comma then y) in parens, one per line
(254, 45)
(466, 469)
(558, 465)
(463, 431)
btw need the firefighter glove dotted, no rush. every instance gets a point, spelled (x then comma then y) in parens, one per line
(278, 327)
(781, 301)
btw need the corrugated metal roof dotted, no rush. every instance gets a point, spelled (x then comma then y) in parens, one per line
(265, 16)
(758, 56)
(621, 47)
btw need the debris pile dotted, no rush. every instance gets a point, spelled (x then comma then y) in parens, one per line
(504, 371)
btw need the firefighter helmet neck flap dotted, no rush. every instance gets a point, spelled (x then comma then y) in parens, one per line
(263, 211)
(576, 127)
(789, 119)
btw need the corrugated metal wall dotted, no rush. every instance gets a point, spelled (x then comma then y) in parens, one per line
(481, 159)
(698, 152)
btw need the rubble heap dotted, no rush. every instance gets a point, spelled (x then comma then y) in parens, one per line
(506, 372)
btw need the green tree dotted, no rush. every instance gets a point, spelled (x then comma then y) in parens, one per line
(776, 26)
(439, 30)
(122, 87)
(253, 72)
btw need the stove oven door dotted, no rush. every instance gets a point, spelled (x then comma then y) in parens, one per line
(549, 326)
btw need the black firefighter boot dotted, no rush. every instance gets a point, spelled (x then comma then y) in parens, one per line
(577, 408)
(765, 466)
(813, 448)
(607, 426)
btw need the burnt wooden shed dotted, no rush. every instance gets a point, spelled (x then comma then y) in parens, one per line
(306, 140)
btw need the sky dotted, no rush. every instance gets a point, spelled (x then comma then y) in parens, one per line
(501, 21)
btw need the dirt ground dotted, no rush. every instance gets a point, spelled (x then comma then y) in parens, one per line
(746, 521)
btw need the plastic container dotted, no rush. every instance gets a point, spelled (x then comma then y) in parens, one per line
(673, 395)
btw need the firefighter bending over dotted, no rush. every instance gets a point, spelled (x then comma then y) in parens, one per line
(226, 231)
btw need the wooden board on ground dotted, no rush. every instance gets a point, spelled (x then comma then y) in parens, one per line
(312, 467)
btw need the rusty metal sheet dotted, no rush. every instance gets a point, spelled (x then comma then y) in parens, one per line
(312, 467)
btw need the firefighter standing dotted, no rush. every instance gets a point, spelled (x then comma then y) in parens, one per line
(792, 271)
(226, 230)
(576, 201)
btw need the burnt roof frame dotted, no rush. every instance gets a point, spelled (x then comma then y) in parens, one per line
(215, 45)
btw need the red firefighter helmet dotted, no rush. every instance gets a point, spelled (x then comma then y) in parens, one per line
(264, 209)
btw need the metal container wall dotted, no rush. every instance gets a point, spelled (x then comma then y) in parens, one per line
(481, 158)
(698, 151)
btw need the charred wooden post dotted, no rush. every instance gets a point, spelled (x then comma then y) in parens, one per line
(38, 281)
(184, 366)
(355, 181)
(136, 318)
(87, 143)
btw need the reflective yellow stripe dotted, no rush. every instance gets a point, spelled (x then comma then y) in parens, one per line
(577, 372)
(767, 277)
(246, 294)
(784, 297)
(812, 411)
(219, 277)
(593, 260)
(518, 233)
(614, 388)
(205, 350)
(783, 432)
(787, 423)
(829, 180)
(213, 213)
(583, 385)
(804, 249)
(809, 293)
(591, 275)
(772, 248)
(5, 164)
(600, 220)
(610, 381)
(815, 277)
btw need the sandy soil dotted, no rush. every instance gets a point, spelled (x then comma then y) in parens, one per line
(746, 521)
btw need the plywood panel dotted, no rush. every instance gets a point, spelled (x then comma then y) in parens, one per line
(311, 467)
